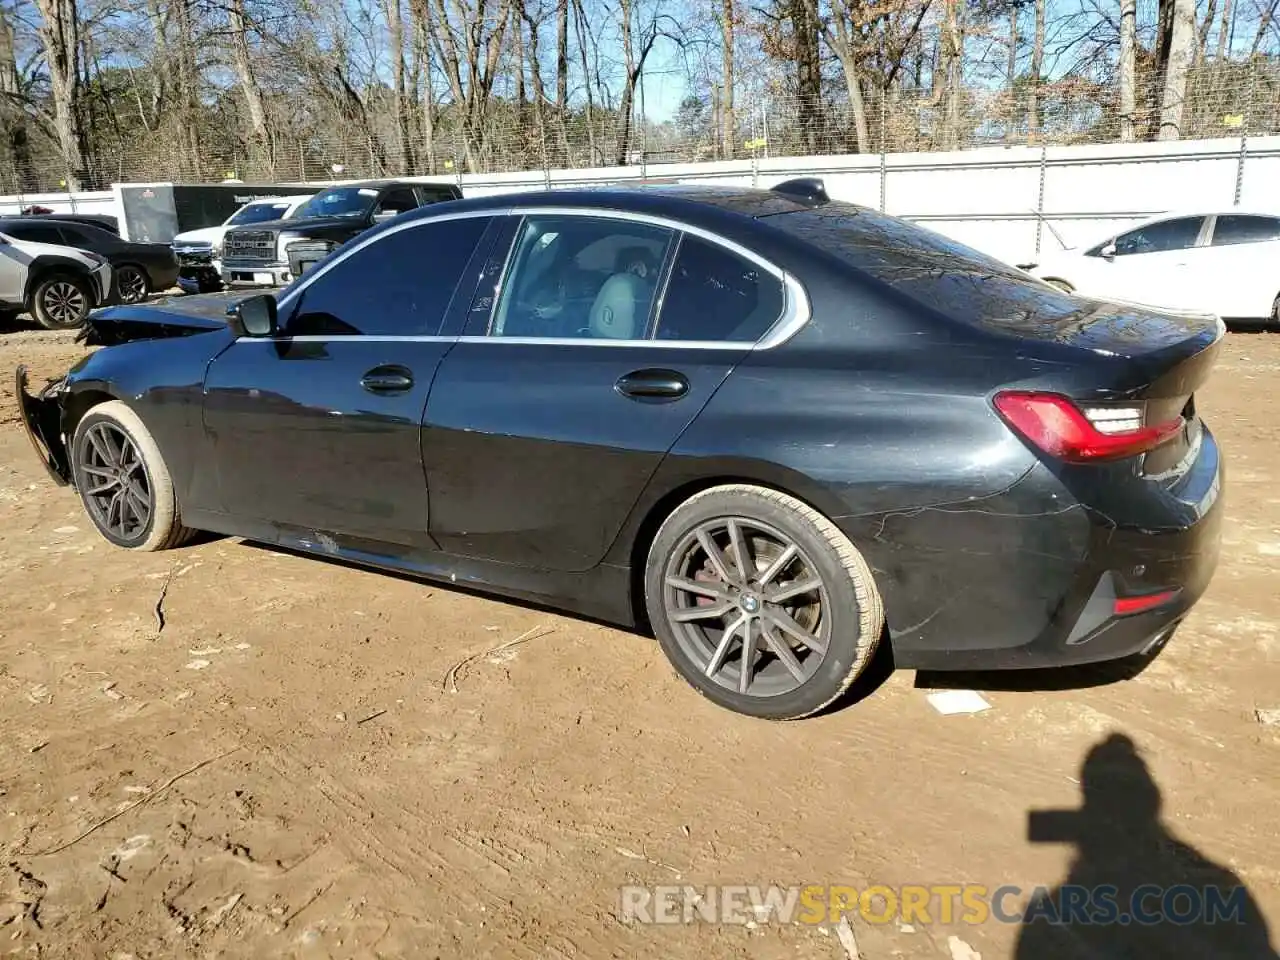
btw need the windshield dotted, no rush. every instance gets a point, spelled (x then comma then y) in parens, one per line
(339, 202)
(259, 213)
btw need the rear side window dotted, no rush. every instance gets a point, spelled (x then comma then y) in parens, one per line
(581, 277)
(399, 285)
(396, 201)
(1160, 237)
(716, 295)
(1237, 228)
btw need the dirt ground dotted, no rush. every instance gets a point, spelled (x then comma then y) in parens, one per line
(284, 769)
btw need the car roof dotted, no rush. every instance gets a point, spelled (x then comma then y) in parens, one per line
(1250, 211)
(46, 218)
(707, 206)
(370, 183)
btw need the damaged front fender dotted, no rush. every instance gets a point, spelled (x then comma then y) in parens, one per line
(42, 421)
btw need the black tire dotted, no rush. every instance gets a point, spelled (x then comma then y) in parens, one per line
(61, 301)
(148, 478)
(1275, 314)
(132, 283)
(842, 616)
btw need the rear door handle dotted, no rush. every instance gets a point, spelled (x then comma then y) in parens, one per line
(653, 386)
(387, 379)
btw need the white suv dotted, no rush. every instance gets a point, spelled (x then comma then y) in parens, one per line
(57, 285)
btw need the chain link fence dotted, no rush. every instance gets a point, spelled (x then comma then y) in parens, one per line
(1223, 99)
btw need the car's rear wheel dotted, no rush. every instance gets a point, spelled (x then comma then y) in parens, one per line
(1275, 314)
(761, 602)
(61, 301)
(132, 284)
(123, 481)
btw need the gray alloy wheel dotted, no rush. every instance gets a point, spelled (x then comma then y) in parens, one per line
(61, 301)
(761, 602)
(734, 583)
(131, 282)
(123, 481)
(118, 495)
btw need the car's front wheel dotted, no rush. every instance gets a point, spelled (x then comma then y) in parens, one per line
(123, 481)
(61, 301)
(761, 602)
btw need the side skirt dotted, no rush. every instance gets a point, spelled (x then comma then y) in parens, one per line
(602, 593)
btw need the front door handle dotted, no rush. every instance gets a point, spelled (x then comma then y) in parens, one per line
(387, 379)
(653, 386)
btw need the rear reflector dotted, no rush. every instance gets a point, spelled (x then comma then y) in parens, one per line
(1061, 429)
(1126, 606)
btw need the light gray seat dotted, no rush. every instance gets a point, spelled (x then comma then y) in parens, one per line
(619, 309)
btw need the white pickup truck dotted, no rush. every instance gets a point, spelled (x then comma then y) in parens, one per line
(199, 252)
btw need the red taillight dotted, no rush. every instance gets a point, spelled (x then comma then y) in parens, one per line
(1126, 606)
(1061, 429)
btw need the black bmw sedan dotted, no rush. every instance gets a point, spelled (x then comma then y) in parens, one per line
(775, 429)
(139, 268)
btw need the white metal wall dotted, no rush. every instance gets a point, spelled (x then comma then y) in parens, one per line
(1006, 201)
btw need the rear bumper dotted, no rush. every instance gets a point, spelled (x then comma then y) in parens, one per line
(1051, 599)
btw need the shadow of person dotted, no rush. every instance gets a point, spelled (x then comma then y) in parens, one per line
(1133, 890)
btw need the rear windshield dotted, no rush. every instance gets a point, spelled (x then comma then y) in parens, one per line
(931, 269)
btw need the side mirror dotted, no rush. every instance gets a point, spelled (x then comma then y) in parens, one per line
(254, 316)
(1109, 251)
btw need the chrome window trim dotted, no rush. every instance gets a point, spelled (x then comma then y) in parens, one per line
(796, 309)
(514, 341)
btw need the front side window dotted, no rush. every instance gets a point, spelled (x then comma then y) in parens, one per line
(396, 201)
(1160, 237)
(399, 285)
(716, 295)
(581, 278)
(1241, 228)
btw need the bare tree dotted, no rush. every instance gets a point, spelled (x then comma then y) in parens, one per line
(468, 37)
(1037, 71)
(1224, 29)
(728, 124)
(950, 75)
(1128, 65)
(14, 135)
(1181, 52)
(840, 30)
(396, 36)
(238, 27)
(640, 30)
